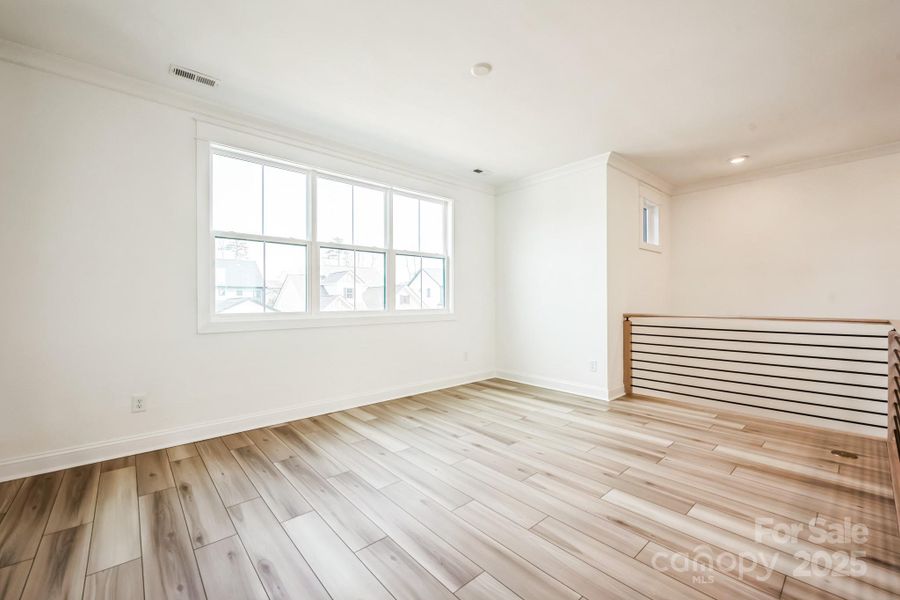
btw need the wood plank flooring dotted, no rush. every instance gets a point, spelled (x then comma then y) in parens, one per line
(493, 490)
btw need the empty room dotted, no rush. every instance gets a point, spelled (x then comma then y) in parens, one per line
(416, 300)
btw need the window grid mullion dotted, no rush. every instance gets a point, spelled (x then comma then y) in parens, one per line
(252, 237)
(446, 274)
(352, 215)
(445, 229)
(422, 254)
(313, 283)
(353, 238)
(262, 200)
(421, 277)
(265, 307)
(262, 228)
(390, 261)
(354, 280)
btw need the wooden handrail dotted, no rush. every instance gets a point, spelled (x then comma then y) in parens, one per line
(628, 316)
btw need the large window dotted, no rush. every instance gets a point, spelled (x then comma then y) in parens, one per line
(292, 242)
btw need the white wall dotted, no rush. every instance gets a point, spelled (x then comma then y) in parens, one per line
(821, 242)
(98, 233)
(638, 279)
(551, 279)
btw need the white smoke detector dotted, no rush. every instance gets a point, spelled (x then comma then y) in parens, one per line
(481, 69)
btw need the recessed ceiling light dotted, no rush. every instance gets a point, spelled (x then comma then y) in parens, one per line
(738, 159)
(481, 69)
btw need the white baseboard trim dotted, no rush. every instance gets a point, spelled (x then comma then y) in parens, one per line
(591, 391)
(64, 458)
(616, 392)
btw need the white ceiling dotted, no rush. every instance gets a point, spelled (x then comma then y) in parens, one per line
(678, 86)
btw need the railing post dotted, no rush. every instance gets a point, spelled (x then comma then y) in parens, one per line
(893, 412)
(626, 358)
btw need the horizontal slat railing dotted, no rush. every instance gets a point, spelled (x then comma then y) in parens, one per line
(826, 372)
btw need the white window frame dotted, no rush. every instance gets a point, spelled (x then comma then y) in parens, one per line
(650, 204)
(418, 253)
(208, 321)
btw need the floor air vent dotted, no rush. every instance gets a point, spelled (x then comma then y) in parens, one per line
(844, 454)
(193, 76)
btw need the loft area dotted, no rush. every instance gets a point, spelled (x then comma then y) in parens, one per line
(458, 301)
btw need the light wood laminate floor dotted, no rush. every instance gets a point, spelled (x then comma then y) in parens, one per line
(492, 490)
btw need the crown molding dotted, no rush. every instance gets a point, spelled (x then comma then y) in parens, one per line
(793, 167)
(26, 56)
(609, 159)
(538, 178)
(47, 62)
(620, 163)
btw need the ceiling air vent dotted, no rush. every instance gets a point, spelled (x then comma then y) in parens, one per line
(193, 76)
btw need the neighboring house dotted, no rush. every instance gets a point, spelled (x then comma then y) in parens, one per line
(372, 290)
(238, 279)
(341, 283)
(431, 284)
(373, 297)
(291, 297)
(328, 302)
(230, 306)
(367, 283)
(240, 289)
(407, 297)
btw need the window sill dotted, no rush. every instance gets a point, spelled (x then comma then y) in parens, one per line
(274, 323)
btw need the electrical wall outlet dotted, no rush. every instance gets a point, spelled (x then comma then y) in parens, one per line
(138, 403)
(593, 366)
(466, 356)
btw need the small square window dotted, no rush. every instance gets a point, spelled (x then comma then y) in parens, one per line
(649, 225)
